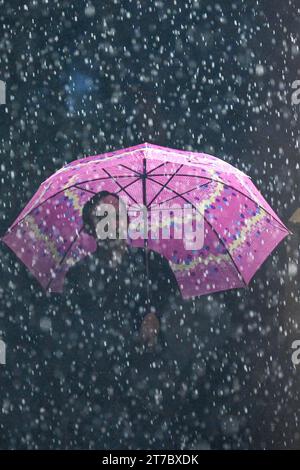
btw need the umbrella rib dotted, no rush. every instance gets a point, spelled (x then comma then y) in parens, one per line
(153, 169)
(123, 188)
(214, 230)
(77, 236)
(164, 186)
(281, 226)
(106, 178)
(84, 189)
(70, 187)
(188, 191)
(130, 169)
(66, 253)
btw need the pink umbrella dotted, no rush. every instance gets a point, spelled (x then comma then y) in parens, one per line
(240, 228)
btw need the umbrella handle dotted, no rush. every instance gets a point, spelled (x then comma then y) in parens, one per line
(147, 271)
(145, 221)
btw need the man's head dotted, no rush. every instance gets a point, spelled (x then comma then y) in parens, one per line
(103, 216)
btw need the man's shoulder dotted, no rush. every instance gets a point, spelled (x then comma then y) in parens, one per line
(77, 271)
(160, 268)
(158, 258)
(135, 252)
(154, 257)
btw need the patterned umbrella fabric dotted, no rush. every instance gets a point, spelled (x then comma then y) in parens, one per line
(240, 228)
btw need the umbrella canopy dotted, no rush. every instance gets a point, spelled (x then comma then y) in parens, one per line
(240, 228)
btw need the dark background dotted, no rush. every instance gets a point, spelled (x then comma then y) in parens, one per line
(84, 78)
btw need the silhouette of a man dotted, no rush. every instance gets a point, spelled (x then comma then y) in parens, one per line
(113, 279)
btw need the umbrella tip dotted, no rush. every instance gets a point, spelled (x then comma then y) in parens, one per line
(148, 144)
